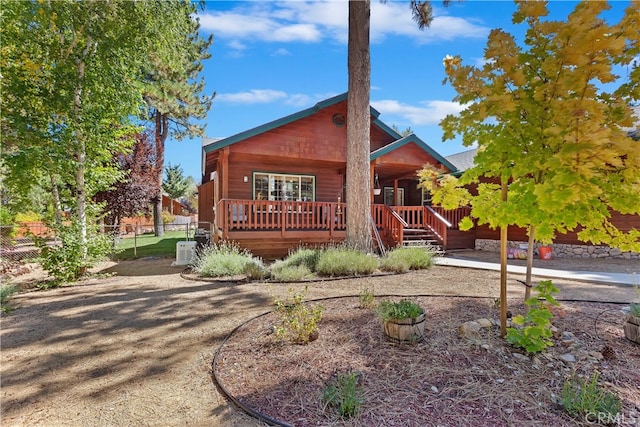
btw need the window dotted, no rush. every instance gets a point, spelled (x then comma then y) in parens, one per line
(426, 197)
(300, 188)
(388, 196)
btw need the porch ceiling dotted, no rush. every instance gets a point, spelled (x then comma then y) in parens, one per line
(396, 171)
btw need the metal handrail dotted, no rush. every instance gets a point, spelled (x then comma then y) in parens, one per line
(440, 217)
(376, 233)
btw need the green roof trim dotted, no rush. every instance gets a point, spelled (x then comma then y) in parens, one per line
(420, 143)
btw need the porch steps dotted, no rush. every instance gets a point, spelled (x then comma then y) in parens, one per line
(422, 238)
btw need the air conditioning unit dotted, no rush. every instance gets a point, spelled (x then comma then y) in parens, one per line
(185, 252)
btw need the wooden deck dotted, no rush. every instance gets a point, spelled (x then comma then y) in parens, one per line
(270, 229)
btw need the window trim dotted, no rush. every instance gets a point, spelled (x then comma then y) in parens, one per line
(271, 176)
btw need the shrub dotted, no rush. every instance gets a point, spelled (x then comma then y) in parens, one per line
(289, 273)
(345, 395)
(167, 218)
(68, 261)
(366, 298)
(534, 332)
(394, 264)
(304, 256)
(298, 322)
(416, 258)
(5, 293)
(403, 309)
(587, 398)
(225, 259)
(345, 262)
(7, 231)
(28, 216)
(255, 270)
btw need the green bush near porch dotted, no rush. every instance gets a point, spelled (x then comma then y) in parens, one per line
(226, 260)
(308, 263)
(345, 262)
(407, 258)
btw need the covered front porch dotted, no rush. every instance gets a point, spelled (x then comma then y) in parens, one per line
(270, 229)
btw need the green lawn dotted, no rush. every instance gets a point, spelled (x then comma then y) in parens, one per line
(149, 245)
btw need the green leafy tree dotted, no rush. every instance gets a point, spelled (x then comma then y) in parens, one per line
(173, 85)
(553, 155)
(407, 131)
(190, 200)
(69, 75)
(175, 184)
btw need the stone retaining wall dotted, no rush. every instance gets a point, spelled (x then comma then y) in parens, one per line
(562, 250)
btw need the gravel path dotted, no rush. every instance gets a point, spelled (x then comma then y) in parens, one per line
(135, 345)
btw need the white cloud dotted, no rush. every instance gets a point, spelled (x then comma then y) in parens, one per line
(281, 52)
(317, 21)
(237, 45)
(254, 96)
(267, 96)
(429, 113)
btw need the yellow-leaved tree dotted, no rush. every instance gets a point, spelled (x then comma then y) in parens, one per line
(548, 116)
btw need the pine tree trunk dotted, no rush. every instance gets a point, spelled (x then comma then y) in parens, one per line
(358, 194)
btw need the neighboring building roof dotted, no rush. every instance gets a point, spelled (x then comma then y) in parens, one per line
(211, 144)
(634, 132)
(464, 160)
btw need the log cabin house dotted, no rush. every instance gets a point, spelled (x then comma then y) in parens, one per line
(281, 185)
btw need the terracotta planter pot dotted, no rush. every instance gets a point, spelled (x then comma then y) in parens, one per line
(405, 330)
(632, 328)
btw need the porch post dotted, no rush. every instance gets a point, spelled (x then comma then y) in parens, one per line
(395, 192)
(372, 172)
(224, 171)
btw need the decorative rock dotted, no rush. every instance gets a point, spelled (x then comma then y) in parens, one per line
(484, 323)
(520, 357)
(568, 358)
(596, 355)
(469, 330)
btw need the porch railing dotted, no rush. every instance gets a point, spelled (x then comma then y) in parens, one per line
(238, 215)
(264, 215)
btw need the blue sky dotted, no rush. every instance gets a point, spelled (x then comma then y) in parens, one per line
(274, 58)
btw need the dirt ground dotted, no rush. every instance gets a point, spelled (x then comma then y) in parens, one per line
(134, 345)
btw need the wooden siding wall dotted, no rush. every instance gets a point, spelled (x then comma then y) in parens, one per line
(205, 202)
(623, 222)
(313, 137)
(329, 181)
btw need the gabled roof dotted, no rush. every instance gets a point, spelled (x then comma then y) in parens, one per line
(420, 143)
(463, 160)
(212, 145)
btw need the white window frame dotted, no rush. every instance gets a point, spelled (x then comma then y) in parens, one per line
(388, 196)
(285, 187)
